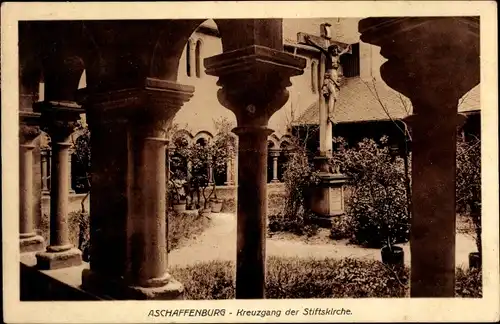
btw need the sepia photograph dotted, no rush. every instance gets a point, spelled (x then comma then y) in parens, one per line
(321, 157)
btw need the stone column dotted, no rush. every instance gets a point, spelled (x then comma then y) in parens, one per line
(59, 118)
(128, 224)
(275, 154)
(29, 240)
(229, 172)
(254, 81)
(45, 157)
(210, 175)
(425, 56)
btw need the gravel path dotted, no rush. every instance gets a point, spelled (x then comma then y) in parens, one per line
(219, 242)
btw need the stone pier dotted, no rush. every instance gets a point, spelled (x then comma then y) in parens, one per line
(434, 62)
(59, 119)
(254, 81)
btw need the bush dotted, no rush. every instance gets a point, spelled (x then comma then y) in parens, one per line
(207, 280)
(342, 228)
(314, 278)
(468, 184)
(378, 205)
(183, 227)
(298, 278)
(468, 283)
(299, 176)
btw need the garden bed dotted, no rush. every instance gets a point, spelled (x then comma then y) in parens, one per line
(313, 278)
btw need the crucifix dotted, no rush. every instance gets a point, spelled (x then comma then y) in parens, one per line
(330, 74)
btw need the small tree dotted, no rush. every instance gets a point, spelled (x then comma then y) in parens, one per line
(378, 204)
(214, 155)
(299, 177)
(468, 183)
(83, 158)
(178, 169)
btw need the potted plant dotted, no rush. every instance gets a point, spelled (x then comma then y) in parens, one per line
(392, 254)
(178, 197)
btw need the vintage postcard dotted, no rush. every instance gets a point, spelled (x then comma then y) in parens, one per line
(250, 162)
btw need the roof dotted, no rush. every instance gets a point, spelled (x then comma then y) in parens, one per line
(358, 102)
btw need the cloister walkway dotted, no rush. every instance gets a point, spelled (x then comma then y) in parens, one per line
(218, 242)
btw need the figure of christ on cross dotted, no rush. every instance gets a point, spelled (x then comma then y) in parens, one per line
(331, 80)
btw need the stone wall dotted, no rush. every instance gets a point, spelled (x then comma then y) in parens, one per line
(227, 193)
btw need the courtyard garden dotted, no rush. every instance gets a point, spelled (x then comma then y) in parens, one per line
(305, 260)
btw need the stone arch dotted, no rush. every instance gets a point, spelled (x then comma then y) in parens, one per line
(285, 141)
(274, 140)
(206, 135)
(183, 133)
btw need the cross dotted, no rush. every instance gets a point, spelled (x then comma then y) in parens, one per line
(325, 103)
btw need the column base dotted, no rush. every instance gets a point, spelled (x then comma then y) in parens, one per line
(45, 192)
(32, 243)
(119, 289)
(275, 181)
(51, 259)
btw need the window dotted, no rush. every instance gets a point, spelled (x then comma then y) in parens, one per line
(350, 63)
(314, 76)
(188, 58)
(198, 58)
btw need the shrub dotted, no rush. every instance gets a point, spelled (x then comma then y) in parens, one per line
(468, 184)
(207, 280)
(468, 283)
(183, 227)
(298, 278)
(378, 205)
(299, 176)
(314, 278)
(342, 228)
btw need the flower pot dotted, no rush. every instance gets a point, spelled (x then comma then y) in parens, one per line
(205, 212)
(179, 207)
(475, 260)
(394, 257)
(216, 205)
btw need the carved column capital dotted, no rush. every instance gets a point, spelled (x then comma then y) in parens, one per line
(274, 152)
(29, 128)
(152, 105)
(254, 81)
(59, 118)
(430, 59)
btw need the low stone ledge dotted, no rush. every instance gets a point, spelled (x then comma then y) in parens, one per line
(66, 285)
(52, 285)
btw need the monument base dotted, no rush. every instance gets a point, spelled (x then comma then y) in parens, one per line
(327, 198)
(118, 289)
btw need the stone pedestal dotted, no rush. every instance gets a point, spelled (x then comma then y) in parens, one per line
(59, 119)
(326, 199)
(128, 224)
(29, 241)
(254, 81)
